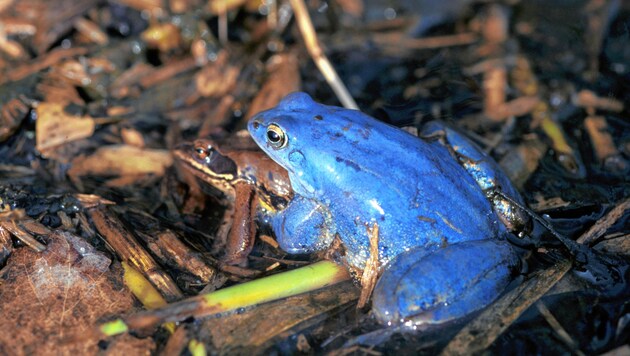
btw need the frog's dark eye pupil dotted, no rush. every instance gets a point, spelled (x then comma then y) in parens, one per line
(273, 136)
(276, 136)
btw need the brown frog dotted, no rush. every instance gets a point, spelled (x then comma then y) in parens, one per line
(255, 187)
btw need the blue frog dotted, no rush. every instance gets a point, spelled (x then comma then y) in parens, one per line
(441, 239)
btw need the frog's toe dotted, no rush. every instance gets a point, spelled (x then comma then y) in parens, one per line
(446, 284)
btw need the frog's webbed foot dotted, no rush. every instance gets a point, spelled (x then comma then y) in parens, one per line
(443, 285)
(302, 227)
(602, 269)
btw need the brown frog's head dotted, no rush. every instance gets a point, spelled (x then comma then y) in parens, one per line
(227, 161)
(203, 159)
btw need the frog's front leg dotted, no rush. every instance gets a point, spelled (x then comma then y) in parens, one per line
(242, 231)
(485, 171)
(432, 288)
(303, 226)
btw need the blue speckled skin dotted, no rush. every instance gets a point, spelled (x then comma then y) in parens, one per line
(349, 171)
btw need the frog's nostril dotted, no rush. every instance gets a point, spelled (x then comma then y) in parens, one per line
(255, 124)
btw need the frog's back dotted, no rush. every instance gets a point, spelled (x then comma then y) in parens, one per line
(417, 193)
(368, 172)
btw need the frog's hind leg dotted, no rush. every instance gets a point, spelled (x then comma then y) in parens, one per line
(478, 164)
(444, 285)
(485, 171)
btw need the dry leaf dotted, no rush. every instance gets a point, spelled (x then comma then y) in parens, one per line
(55, 127)
(122, 160)
(63, 290)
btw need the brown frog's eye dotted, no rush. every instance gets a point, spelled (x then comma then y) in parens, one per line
(201, 152)
(276, 137)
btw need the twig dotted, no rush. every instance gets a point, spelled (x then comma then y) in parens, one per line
(562, 334)
(320, 59)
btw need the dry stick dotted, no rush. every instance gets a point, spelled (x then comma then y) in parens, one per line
(320, 59)
(398, 41)
(600, 227)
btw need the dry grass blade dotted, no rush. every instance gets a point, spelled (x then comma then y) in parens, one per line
(558, 329)
(370, 272)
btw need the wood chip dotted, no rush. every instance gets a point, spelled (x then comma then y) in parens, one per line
(23, 235)
(55, 127)
(163, 36)
(494, 87)
(132, 137)
(216, 80)
(91, 31)
(42, 62)
(222, 7)
(603, 144)
(125, 244)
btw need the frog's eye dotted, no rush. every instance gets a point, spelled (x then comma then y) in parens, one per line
(276, 137)
(201, 152)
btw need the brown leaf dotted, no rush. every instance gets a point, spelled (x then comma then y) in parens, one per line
(63, 290)
(55, 127)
